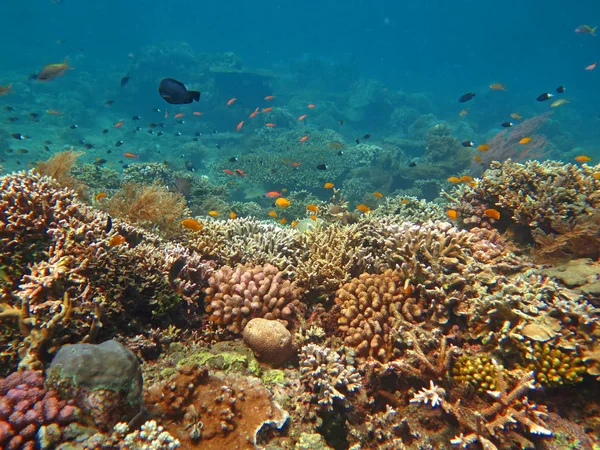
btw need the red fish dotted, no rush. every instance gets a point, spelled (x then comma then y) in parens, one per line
(119, 124)
(311, 106)
(266, 110)
(256, 111)
(240, 172)
(269, 97)
(302, 117)
(177, 116)
(228, 172)
(270, 125)
(240, 125)
(273, 194)
(303, 139)
(592, 66)
(231, 102)
(131, 155)
(197, 113)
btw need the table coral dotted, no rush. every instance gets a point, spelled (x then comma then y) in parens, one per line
(30, 414)
(236, 295)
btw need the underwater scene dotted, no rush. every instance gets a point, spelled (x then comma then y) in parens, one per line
(299, 225)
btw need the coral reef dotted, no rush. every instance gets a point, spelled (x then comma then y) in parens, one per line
(270, 340)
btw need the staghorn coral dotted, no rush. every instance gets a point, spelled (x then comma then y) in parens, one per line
(30, 414)
(236, 295)
(327, 374)
(70, 281)
(148, 206)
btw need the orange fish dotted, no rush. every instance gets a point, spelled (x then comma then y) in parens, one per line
(179, 115)
(582, 158)
(477, 158)
(328, 185)
(311, 207)
(313, 218)
(52, 71)
(192, 224)
(266, 110)
(54, 112)
(596, 175)
(197, 113)
(5, 90)
(525, 140)
(270, 125)
(296, 164)
(231, 102)
(232, 215)
(311, 106)
(363, 208)
(377, 194)
(213, 213)
(273, 194)
(130, 155)
(283, 221)
(240, 125)
(454, 180)
(282, 202)
(240, 172)
(256, 111)
(303, 139)
(302, 117)
(592, 66)
(119, 124)
(269, 97)
(452, 213)
(294, 223)
(483, 148)
(498, 87)
(493, 213)
(100, 196)
(272, 214)
(116, 240)
(228, 172)
(466, 179)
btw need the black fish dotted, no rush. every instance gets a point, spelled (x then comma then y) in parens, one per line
(218, 146)
(136, 118)
(88, 146)
(357, 140)
(109, 102)
(468, 96)
(156, 110)
(8, 108)
(74, 126)
(412, 164)
(561, 89)
(467, 143)
(366, 136)
(18, 136)
(46, 148)
(340, 153)
(105, 131)
(190, 166)
(109, 151)
(118, 143)
(12, 119)
(545, 96)
(125, 80)
(150, 131)
(99, 161)
(322, 167)
(175, 92)
(48, 142)
(108, 225)
(233, 159)
(177, 133)
(341, 122)
(507, 124)
(160, 133)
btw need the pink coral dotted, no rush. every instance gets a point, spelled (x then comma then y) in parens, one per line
(25, 406)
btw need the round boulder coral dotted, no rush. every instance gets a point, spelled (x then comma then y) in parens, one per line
(270, 340)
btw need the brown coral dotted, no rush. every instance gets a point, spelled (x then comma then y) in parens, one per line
(235, 296)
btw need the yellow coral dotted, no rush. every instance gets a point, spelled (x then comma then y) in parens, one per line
(554, 367)
(478, 370)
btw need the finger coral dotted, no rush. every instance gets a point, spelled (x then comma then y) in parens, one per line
(554, 366)
(236, 295)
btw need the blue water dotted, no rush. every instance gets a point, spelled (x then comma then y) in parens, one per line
(438, 48)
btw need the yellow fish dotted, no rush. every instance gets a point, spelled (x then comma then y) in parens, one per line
(559, 102)
(52, 71)
(213, 213)
(525, 140)
(377, 194)
(498, 87)
(516, 116)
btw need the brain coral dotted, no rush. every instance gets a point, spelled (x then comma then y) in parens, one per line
(235, 296)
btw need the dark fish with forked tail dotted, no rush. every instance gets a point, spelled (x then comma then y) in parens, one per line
(175, 92)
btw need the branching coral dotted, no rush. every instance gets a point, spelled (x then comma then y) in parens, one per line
(327, 374)
(60, 167)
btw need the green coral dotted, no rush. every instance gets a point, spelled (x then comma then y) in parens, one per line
(274, 376)
(228, 361)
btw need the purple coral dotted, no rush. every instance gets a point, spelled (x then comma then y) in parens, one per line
(26, 406)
